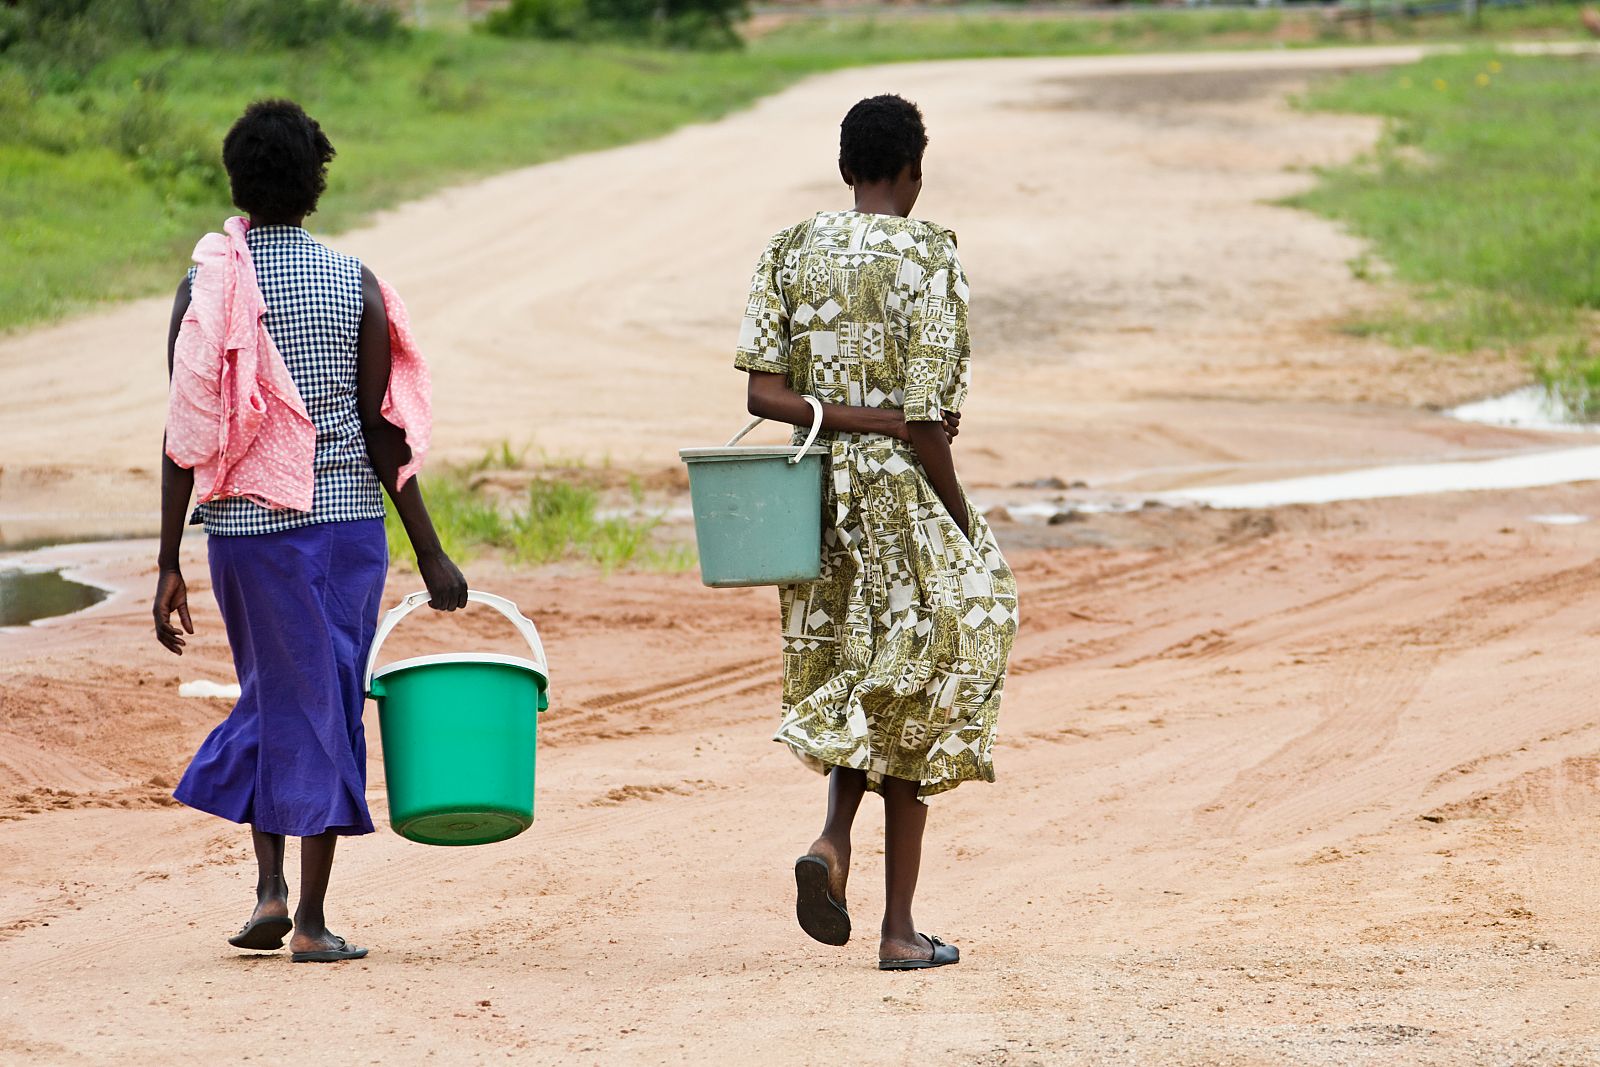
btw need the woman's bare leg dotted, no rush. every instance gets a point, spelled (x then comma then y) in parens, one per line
(905, 819)
(272, 889)
(845, 789)
(316, 866)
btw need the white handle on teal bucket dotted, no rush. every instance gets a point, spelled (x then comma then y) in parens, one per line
(816, 428)
(524, 625)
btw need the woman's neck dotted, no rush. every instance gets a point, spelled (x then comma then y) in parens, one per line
(257, 220)
(869, 204)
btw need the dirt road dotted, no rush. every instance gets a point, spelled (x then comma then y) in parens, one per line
(1136, 291)
(1321, 791)
(1313, 785)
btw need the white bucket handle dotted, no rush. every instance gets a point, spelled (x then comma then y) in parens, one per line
(816, 428)
(524, 625)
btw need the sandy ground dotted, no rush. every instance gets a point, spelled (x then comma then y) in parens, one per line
(1313, 789)
(1314, 785)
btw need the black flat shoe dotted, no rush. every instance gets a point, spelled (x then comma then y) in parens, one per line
(943, 956)
(339, 953)
(263, 934)
(820, 915)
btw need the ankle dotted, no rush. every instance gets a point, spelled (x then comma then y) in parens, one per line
(273, 887)
(900, 930)
(835, 842)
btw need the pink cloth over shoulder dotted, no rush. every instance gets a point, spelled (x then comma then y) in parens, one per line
(234, 414)
(408, 402)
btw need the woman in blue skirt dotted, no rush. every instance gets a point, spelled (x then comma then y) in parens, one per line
(291, 493)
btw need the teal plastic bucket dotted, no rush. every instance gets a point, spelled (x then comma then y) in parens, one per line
(758, 510)
(460, 734)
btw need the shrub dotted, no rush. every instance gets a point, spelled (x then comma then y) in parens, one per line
(13, 26)
(79, 32)
(298, 23)
(676, 23)
(554, 20)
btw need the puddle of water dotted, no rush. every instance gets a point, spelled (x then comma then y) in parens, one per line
(1524, 471)
(1044, 511)
(1529, 408)
(26, 596)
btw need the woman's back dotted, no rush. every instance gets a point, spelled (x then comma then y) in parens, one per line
(314, 305)
(861, 309)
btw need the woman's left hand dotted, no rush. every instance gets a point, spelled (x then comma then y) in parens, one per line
(447, 586)
(172, 594)
(952, 424)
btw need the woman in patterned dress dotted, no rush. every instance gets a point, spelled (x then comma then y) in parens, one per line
(894, 660)
(299, 590)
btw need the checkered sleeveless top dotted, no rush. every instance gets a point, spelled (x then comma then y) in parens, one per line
(314, 301)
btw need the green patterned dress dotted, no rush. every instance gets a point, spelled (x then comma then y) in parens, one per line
(895, 659)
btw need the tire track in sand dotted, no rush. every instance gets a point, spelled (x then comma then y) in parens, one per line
(1369, 688)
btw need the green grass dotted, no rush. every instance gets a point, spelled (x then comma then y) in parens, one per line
(820, 43)
(1571, 373)
(85, 222)
(108, 175)
(1463, 319)
(1481, 194)
(549, 521)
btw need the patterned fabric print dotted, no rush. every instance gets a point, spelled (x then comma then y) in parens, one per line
(894, 661)
(314, 303)
(866, 310)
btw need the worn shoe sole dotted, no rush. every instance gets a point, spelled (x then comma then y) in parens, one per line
(263, 935)
(819, 914)
(328, 955)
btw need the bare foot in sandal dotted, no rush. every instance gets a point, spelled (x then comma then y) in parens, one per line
(837, 857)
(322, 947)
(820, 877)
(895, 954)
(269, 923)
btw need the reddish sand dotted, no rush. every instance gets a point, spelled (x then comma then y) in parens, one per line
(1315, 787)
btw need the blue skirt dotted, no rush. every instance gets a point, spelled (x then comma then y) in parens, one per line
(300, 608)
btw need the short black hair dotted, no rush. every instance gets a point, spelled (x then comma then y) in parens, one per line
(880, 136)
(277, 160)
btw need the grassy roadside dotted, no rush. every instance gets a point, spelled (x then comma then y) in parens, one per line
(1481, 196)
(104, 208)
(539, 513)
(952, 35)
(107, 177)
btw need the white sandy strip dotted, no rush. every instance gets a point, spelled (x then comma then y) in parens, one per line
(1512, 472)
(210, 690)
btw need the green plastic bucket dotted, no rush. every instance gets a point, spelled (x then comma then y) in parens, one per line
(460, 734)
(758, 509)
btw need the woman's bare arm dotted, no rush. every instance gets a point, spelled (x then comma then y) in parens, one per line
(388, 451)
(177, 486)
(769, 397)
(931, 442)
